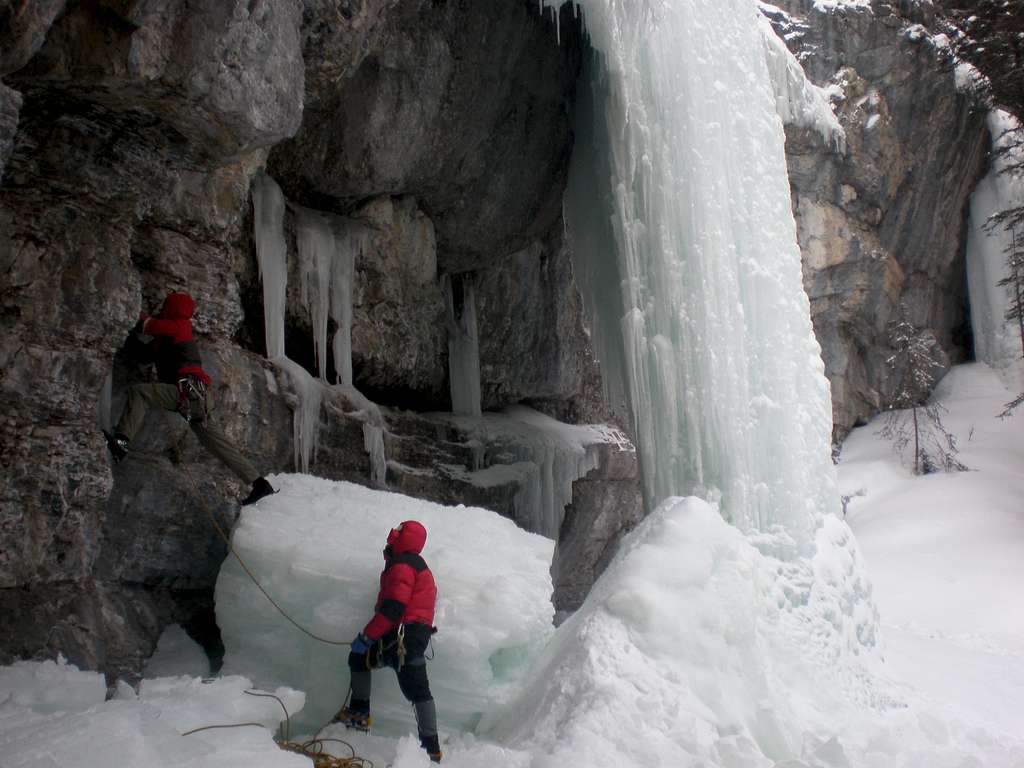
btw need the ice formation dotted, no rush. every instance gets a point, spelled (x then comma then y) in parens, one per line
(544, 456)
(463, 345)
(327, 247)
(316, 547)
(997, 341)
(680, 205)
(272, 255)
(50, 686)
(699, 646)
(798, 101)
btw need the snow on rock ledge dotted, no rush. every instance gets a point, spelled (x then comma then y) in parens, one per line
(316, 547)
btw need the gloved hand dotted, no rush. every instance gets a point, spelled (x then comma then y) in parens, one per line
(361, 644)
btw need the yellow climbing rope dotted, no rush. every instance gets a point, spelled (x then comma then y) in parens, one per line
(314, 750)
(249, 573)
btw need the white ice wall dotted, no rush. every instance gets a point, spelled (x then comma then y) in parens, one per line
(317, 546)
(723, 373)
(996, 340)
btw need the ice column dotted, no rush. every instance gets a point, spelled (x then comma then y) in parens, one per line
(272, 255)
(328, 246)
(317, 252)
(996, 340)
(352, 239)
(683, 222)
(463, 345)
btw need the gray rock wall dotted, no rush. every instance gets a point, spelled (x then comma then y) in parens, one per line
(130, 133)
(884, 223)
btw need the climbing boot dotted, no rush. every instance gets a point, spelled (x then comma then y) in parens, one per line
(355, 715)
(117, 444)
(260, 489)
(432, 747)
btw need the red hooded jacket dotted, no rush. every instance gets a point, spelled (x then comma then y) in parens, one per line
(407, 590)
(175, 349)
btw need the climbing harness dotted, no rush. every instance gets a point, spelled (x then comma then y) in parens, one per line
(377, 651)
(192, 401)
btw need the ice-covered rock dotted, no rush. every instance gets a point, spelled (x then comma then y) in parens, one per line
(316, 548)
(798, 101)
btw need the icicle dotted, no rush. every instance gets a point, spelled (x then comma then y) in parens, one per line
(463, 345)
(317, 254)
(373, 444)
(552, 456)
(798, 101)
(352, 239)
(306, 414)
(272, 256)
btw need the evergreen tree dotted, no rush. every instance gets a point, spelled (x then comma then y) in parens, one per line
(912, 418)
(1014, 281)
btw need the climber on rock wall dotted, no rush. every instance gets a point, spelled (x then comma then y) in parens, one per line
(182, 386)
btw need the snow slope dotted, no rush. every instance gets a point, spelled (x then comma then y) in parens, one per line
(946, 553)
(699, 646)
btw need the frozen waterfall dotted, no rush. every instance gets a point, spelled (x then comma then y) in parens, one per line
(463, 344)
(678, 206)
(996, 340)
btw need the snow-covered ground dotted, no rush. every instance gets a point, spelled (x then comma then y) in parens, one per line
(946, 555)
(700, 646)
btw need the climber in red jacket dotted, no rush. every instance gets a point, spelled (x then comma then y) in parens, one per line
(182, 386)
(397, 636)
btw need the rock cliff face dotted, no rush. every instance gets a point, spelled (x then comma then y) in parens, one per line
(436, 137)
(882, 223)
(129, 137)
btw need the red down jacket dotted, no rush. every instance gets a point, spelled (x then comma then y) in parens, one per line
(175, 349)
(407, 590)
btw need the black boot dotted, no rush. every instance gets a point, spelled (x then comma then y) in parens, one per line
(432, 746)
(118, 445)
(260, 488)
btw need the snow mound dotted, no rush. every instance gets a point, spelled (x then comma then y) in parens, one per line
(699, 643)
(137, 730)
(177, 654)
(50, 686)
(316, 548)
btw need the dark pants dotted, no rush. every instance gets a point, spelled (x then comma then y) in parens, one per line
(412, 675)
(143, 396)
